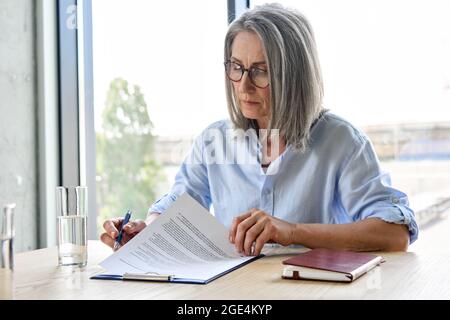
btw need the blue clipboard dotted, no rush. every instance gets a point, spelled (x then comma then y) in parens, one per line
(167, 278)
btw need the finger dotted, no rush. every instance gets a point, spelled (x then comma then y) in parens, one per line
(251, 235)
(241, 231)
(106, 239)
(236, 221)
(131, 230)
(262, 239)
(127, 237)
(111, 226)
(140, 225)
(134, 226)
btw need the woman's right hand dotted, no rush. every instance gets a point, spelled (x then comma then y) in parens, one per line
(112, 226)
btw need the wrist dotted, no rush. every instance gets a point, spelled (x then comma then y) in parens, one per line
(151, 217)
(296, 236)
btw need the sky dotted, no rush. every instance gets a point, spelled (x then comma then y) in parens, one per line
(173, 52)
(382, 61)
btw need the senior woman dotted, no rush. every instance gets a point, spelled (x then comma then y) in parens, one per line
(316, 182)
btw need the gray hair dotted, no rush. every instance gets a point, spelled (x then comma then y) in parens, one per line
(296, 87)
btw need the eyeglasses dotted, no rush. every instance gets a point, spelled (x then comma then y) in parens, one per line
(258, 77)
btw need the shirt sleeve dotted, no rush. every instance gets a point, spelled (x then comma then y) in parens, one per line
(192, 178)
(366, 192)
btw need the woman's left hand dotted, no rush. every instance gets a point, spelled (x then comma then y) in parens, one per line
(256, 226)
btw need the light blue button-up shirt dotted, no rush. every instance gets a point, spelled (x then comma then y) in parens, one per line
(337, 180)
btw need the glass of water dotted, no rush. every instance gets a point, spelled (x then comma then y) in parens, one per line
(71, 205)
(6, 251)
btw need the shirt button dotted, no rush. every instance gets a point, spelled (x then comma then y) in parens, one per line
(395, 200)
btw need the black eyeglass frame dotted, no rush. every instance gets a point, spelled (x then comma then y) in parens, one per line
(243, 70)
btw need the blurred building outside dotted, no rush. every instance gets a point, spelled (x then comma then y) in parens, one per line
(417, 156)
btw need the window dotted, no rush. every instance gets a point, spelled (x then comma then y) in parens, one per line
(158, 81)
(386, 69)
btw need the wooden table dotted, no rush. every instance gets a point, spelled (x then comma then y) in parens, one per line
(403, 276)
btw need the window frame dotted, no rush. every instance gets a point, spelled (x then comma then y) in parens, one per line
(76, 133)
(76, 103)
(236, 8)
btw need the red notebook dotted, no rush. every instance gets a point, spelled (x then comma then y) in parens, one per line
(330, 265)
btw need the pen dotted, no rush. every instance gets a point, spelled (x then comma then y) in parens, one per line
(119, 237)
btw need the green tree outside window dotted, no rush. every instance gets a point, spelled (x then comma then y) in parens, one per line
(128, 174)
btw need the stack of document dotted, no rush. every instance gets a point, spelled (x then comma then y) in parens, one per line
(185, 244)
